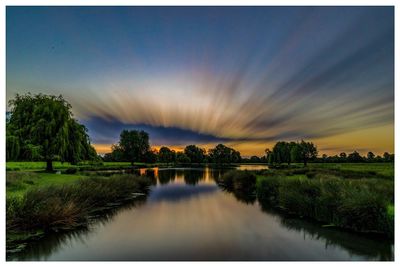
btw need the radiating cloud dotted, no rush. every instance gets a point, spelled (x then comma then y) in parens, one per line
(244, 75)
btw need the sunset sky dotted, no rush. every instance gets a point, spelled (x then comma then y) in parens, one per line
(243, 76)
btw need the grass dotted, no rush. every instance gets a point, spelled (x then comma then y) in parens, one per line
(340, 170)
(30, 165)
(66, 205)
(82, 166)
(356, 200)
(384, 169)
(362, 205)
(18, 182)
(57, 165)
(241, 183)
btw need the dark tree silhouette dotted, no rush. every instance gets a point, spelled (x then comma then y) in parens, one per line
(166, 155)
(133, 145)
(195, 153)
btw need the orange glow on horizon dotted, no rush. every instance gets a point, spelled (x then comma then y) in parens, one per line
(378, 140)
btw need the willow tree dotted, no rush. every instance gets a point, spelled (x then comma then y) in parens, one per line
(45, 123)
(12, 147)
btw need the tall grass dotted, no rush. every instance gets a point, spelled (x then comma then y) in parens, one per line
(362, 205)
(67, 206)
(241, 183)
(381, 169)
(332, 171)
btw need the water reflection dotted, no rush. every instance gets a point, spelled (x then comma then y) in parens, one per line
(188, 217)
(51, 243)
(252, 167)
(177, 192)
(371, 249)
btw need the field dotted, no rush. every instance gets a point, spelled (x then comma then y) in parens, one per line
(41, 165)
(386, 169)
(19, 182)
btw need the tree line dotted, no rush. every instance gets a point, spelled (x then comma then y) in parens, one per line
(290, 152)
(134, 146)
(355, 157)
(304, 152)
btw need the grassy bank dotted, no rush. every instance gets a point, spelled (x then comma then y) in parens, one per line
(68, 205)
(98, 166)
(57, 165)
(19, 182)
(374, 169)
(362, 204)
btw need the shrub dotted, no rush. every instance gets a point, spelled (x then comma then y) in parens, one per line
(268, 190)
(238, 180)
(226, 180)
(244, 180)
(241, 183)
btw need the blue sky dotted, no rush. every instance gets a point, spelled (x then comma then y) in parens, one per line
(246, 76)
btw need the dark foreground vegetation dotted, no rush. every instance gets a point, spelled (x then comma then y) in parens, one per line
(359, 202)
(68, 206)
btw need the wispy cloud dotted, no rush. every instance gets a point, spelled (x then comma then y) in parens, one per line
(207, 75)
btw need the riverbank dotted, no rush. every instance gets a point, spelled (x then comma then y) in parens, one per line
(68, 168)
(66, 206)
(363, 204)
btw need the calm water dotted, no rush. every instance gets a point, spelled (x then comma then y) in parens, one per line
(188, 217)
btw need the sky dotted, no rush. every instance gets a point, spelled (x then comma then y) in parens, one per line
(243, 76)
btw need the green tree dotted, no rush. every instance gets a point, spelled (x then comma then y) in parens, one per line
(195, 153)
(166, 155)
(354, 157)
(79, 148)
(308, 151)
(182, 158)
(32, 152)
(117, 153)
(150, 156)
(269, 156)
(44, 125)
(12, 147)
(254, 159)
(295, 152)
(343, 157)
(370, 156)
(388, 157)
(235, 156)
(222, 154)
(282, 152)
(133, 145)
